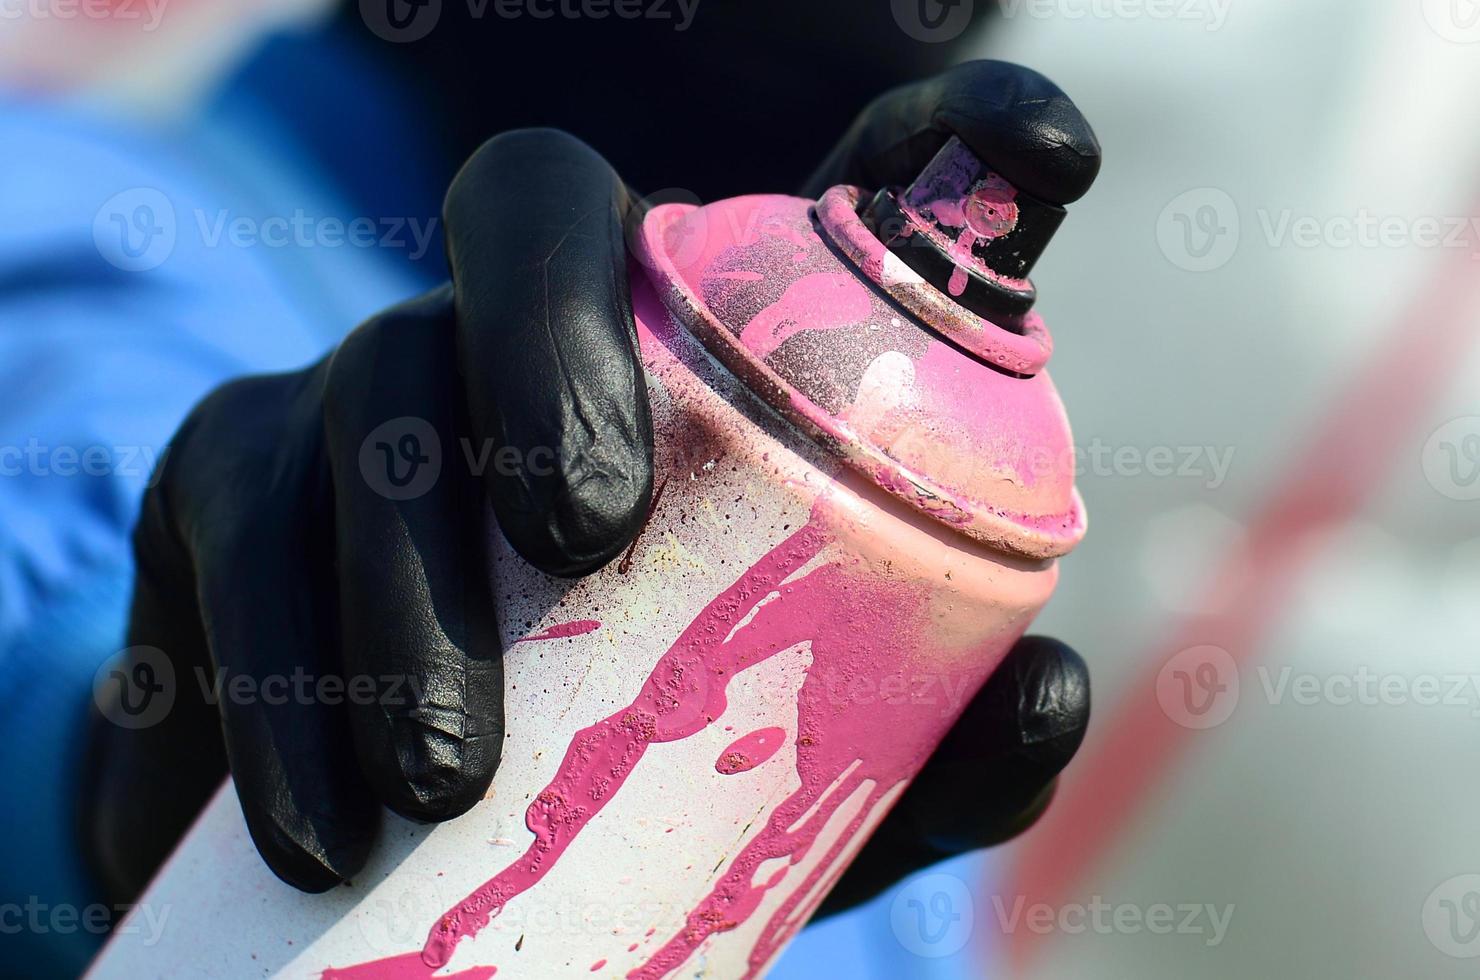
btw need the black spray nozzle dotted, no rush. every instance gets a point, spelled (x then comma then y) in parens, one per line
(966, 230)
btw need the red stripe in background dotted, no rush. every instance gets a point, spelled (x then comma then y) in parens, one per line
(1131, 755)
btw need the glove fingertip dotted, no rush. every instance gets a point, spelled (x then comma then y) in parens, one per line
(315, 865)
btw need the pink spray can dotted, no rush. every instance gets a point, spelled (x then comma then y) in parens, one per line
(864, 477)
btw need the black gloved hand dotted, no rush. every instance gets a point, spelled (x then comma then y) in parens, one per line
(274, 541)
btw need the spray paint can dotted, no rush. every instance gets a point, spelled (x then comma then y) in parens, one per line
(864, 477)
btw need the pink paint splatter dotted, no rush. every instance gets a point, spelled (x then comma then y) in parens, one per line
(560, 631)
(823, 301)
(749, 751)
(856, 626)
(597, 965)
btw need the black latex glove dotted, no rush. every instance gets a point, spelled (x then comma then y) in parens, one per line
(272, 542)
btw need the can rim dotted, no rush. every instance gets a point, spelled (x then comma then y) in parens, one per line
(1026, 535)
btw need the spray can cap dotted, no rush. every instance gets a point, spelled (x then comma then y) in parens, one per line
(968, 231)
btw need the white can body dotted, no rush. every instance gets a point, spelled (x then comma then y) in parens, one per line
(700, 736)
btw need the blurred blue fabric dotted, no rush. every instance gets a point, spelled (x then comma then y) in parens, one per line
(101, 358)
(99, 364)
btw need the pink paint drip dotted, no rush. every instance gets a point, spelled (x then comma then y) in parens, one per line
(560, 631)
(856, 627)
(678, 699)
(749, 751)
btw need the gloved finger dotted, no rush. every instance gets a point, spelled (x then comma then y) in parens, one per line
(548, 349)
(154, 749)
(256, 515)
(420, 642)
(1017, 121)
(992, 776)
